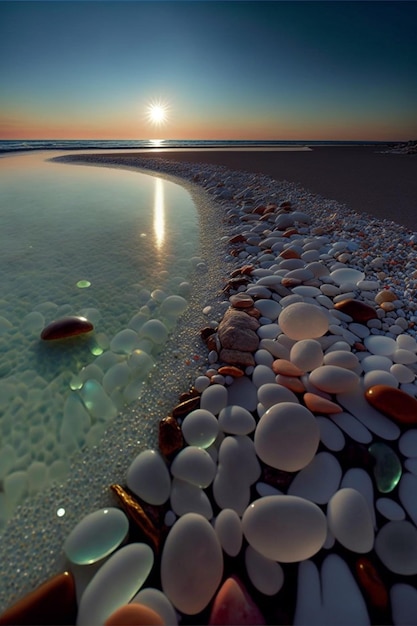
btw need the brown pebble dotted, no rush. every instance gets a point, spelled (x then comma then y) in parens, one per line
(206, 332)
(182, 409)
(289, 254)
(237, 239)
(388, 306)
(357, 310)
(53, 602)
(385, 295)
(170, 438)
(237, 357)
(231, 370)
(245, 269)
(286, 368)
(136, 513)
(65, 327)
(393, 402)
(290, 232)
(241, 301)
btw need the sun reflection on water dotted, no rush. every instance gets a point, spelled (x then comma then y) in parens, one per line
(159, 213)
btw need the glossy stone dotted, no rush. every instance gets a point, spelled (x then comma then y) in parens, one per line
(387, 469)
(170, 437)
(292, 321)
(137, 514)
(318, 404)
(148, 477)
(52, 603)
(134, 615)
(97, 535)
(371, 583)
(357, 310)
(285, 528)
(393, 402)
(233, 605)
(200, 428)
(66, 327)
(350, 520)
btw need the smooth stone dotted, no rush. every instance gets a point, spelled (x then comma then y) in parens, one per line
(404, 356)
(406, 342)
(154, 330)
(306, 291)
(350, 521)
(307, 354)
(393, 402)
(275, 348)
(148, 477)
(390, 509)
(287, 436)
(359, 479)
(266, 575)
(396, 546)
(233, 605)
(156, 600)
(332, 598)
(376, 362)
(125, 342)
(408, 443)
(214, 399)
(387, 469)
(237, 452)
(359, 311)
(242, 392)
(97, 402)
(341, 358)
(191, 564)
(236, 420)
(263, 357)
(262, 375)
(54, 602)
(271, 394)
(286, 368)
(268, 308)
(228, 528)
(371, 583)
(334, 379)
(170, 438)
(407, 494)
(346, 275)
(188, 498)
(403, 604)
(285, 528)
(318, 404)
(134, 615)
(194, 465)
(385, 295)
(292, 321)
(200, 428)
(381, 345)
(115, 583)
(319, 480)
(96, 536)
(402, 373)
(230, 490)
(116, 377)
(330, 434)
(70, 326)
(411, 465)
(379, 377)
(356, 403)
(173, 306)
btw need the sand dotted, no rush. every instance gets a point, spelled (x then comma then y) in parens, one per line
(384, 185)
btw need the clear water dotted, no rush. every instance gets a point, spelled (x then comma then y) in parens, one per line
(107, 244)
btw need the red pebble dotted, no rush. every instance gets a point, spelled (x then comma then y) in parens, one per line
(371, 583)
(134, 614)
(233, 605)
(393, 402)
(66, 327)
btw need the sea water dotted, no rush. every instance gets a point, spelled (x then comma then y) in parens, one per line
(108, 244)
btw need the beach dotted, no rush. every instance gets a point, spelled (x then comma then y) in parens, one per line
(382, 184)
(276, 228)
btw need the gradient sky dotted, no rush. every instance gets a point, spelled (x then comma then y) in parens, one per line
(225, 70)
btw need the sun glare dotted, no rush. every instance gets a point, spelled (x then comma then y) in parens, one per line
(157, 113)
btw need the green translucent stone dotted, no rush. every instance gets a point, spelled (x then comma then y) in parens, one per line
(387, 469)
(96, 350)
(82, 284)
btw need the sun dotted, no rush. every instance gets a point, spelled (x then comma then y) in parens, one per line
(157, 113)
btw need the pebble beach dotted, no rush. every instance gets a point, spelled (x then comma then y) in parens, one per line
(278, 481)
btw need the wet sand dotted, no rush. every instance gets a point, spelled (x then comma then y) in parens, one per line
(384, 185)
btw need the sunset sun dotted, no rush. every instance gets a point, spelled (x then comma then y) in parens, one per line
(157, 113)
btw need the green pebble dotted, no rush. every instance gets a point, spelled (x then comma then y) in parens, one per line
(387, 469)
(82, 284)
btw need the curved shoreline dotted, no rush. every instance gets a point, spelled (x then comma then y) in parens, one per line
(334, 216)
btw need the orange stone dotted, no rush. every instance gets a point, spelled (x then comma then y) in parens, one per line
(371, 583)
(291, 382)
(53, 602)
(134, 614)
(393, 402)
(290, 232)
(233, 605)
(317, 404)
(286, 368)
(289, 254)
(241, 301)
(231, 370)
(358, 311)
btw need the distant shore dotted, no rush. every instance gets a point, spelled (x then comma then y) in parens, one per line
(382, 184)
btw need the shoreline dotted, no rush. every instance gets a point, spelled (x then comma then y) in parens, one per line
(334, 219)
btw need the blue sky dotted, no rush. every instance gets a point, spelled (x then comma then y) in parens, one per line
(226, 70)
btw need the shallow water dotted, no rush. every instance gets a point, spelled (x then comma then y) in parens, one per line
(76, 240)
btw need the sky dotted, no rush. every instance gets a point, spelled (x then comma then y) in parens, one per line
(289, 70)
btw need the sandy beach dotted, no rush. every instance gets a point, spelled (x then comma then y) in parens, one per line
(384, 185)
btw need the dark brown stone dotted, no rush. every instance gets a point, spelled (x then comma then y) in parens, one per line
(372, 584)
(237, 357)
(137, 515)
(170, 438)
(358, 311)
(66, 327)
(182, 409)
(394, 403)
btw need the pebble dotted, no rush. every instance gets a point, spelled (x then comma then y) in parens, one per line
(65, 327)
(134, 615)
(233, 604)
(396, 546)
(148, 477)
(334, 379)
(350, 520)
(393, 402)
(292, 321)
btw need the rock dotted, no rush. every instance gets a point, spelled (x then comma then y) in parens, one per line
(54, 602)
(287, 436)
(191, 564)
(233, 605)
(230, 370)
(387, 469)
(134, 615)
(346, 275)
(396, 546)
(237, 357)
(148, 477)
(394, 403)
(96, 536)
(115, 583)
(241, 301)
(292, 321)
(284, 528)
(350, 520)
(70, 326)
(357, 310)
(170, 437)
(186, 406)
(137, 515)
